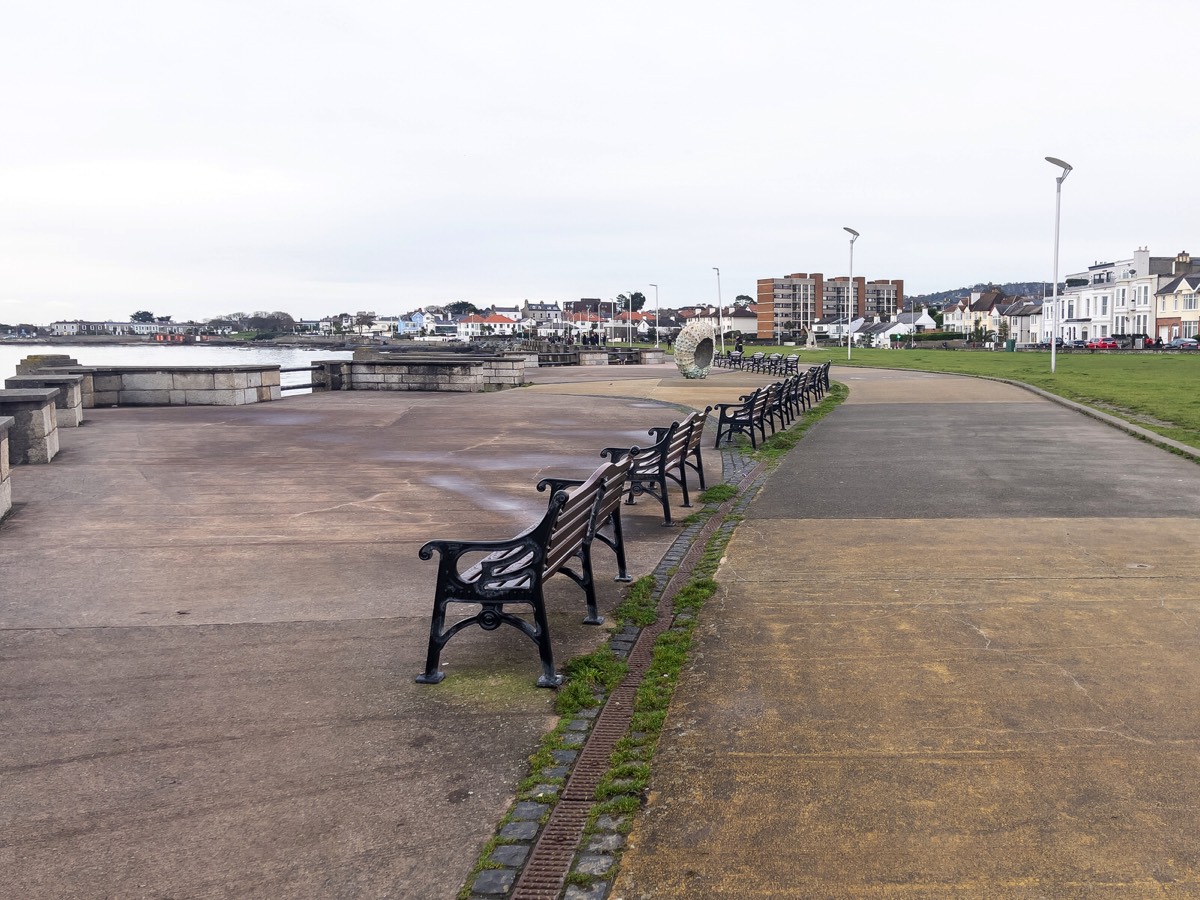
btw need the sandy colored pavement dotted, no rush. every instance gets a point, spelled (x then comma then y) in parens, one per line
(210, 621)
(954, 654)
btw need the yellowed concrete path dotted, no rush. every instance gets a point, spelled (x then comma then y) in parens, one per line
(955, 653)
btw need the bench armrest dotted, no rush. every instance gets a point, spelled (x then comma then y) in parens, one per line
(559, 484)
(616, 454)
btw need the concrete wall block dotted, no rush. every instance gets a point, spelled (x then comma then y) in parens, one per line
(70, 418)
(5, 466)
(42, 421)
(105, 398)
(51, 446)
(144, 398)
(5, 496)
(88, 390)
(32, 439)
(106, 383)
(193, 381)
(147, 381)
(271, 378)
(177, 398)
(211, 398)
(231, 381)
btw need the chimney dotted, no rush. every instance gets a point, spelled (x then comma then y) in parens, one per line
(1183, 264)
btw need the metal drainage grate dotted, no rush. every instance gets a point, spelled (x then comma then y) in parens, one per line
(545, 871)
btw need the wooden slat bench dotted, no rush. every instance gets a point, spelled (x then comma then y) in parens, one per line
(748, 417)
(664, 461)
(514, 571)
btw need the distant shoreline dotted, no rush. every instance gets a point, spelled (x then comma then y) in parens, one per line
(296, 341)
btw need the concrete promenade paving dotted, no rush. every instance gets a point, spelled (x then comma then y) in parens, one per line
(210, 621)
(955, 653)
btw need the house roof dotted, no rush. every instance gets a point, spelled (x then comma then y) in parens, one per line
(489, 319)
(1182, 283)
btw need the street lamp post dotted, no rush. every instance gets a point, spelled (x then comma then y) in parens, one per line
(1066, 170)
(720, 321)
(850, 288)
(655, 286)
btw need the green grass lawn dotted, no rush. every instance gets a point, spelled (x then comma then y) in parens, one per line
(1158, 391)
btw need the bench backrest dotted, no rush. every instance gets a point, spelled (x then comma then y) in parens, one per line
(695, 424)
(574, 522)
(667, 451)
(609, 501)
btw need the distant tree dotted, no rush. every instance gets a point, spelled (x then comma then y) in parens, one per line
(632, 302)
(363, 322)
(162, 320)
(461, 308)
(743, 300)
(220, 323)
(142, 316)
(269, 323)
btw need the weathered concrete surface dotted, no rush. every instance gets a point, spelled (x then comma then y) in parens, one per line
(939, 667)
(210, 621)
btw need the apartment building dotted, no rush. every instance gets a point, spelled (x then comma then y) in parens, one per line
(796, 302)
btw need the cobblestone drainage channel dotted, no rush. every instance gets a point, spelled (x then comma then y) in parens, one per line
(536, 860)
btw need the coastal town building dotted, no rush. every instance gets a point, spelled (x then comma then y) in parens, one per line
(1179, 307)
(797, 302)
(1122, 297)
(81, 328)
(541, 313)
(489, 324)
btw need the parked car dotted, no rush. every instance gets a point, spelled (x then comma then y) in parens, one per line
(1181, 343)
(1133, 341)
(1078, 345)
(1102, 343)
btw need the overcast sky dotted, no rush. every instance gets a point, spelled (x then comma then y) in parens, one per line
(199, 158)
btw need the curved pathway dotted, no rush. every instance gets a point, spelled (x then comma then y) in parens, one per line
(954, 654)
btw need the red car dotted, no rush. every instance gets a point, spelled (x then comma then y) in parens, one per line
(1102, 343)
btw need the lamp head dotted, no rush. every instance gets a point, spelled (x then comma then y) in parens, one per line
(1065, 166)
(853, 233)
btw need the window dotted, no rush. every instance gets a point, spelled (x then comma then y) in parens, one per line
(1189, 302)
(1104, 304)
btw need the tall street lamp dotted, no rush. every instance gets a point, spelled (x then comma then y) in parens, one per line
(720, 322)
(655, 286)
(1066, 170)
(850, 288)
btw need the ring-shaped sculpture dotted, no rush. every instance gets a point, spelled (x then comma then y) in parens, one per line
(694, 349)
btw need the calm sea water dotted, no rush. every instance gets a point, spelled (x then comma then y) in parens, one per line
(156, 355)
